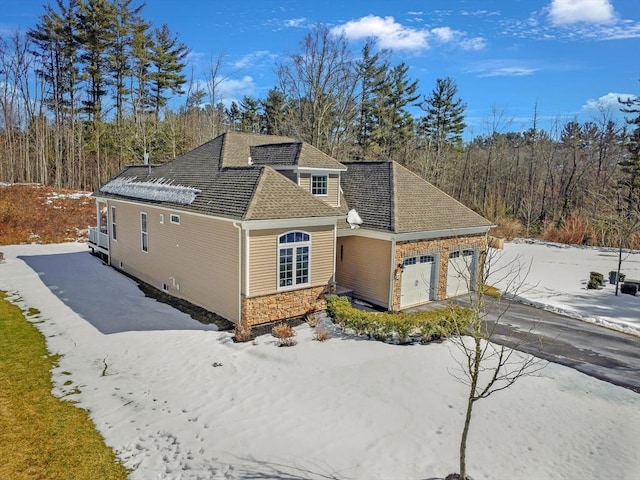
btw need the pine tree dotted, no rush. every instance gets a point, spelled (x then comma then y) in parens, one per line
(443, 124)
(167, 58)
(57, 50)
(274, 115)
(249, 116)
(372, 72)
(630, 164)
(394, 124)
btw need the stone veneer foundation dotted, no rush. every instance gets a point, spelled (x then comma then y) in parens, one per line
(440, 247)
(278, 306)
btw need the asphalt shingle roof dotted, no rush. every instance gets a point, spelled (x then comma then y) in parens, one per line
(241, 191)
(391, 198)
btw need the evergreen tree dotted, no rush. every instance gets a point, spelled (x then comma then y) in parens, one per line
(394, 124)
(274, 112)
(120, 52)
(444, 122)
(249, 116)
(57, 50)
(167, 58)
(630, 164)
(372, 72)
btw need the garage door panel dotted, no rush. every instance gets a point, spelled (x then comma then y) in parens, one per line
(460, 272)
(417, 280)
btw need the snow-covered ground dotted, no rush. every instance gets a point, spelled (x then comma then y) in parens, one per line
(179, 401)
(554, 276)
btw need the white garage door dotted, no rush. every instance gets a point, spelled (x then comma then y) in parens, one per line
(459, 273)
(417, 280)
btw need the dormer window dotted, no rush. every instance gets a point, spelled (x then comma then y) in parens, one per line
(320, 184)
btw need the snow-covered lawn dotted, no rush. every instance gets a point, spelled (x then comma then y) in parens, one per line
(346, 408)
(557, 275)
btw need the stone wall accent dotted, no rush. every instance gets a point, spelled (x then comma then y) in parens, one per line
(281, 305)
(439, 246)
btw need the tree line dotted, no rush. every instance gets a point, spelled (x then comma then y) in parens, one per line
(87, 90)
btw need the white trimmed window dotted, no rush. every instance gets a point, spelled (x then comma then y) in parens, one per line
(175, 219)
(320, 184)
(293, 259)
(144, 232)
(114, 232)
(161, 218)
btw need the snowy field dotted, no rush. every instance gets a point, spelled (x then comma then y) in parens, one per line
(179, 401)
(554, 276)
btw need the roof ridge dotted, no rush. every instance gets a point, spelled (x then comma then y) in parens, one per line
(393, 197)
(256, 190)
(222, 148)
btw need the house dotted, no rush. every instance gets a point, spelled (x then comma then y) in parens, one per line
(260, 227)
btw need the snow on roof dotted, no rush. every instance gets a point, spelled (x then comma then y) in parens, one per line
(160, 189)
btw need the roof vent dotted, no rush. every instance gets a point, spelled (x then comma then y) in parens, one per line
(354, 219)
(249, 161)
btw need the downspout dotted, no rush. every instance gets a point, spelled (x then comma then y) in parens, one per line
(239, 227)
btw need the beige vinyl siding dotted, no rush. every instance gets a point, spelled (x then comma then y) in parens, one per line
(363, 265)
(263, 258)
(197, 259)
(333, 188)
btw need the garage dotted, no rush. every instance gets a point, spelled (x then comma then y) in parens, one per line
(418, 273)
(460, 271)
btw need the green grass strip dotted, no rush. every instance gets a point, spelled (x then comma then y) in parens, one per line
(41, 436)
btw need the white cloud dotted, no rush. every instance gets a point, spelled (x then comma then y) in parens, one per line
(507, 71)
(395, 36)
(295, 22)
(388, 33)
(564, 12)
(475, 43)
(253, 58)
(233, 90)
(607, 102)
(444, 34)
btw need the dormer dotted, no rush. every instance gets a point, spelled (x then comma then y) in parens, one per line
(308, 167)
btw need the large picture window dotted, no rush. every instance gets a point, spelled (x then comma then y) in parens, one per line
(144, 233)
(293, 259)
(319, 184)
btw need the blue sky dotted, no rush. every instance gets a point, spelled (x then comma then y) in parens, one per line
(573, 58)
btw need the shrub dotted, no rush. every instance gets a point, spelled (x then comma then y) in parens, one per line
(399, 327)
(312, 319)
(574, 229)
(321, 335)
(507, 227)
(490, 291)
(282, 330)
(242, 331)
(287, 342)
(596, 280)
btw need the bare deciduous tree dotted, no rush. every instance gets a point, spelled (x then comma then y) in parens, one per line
(486, 367)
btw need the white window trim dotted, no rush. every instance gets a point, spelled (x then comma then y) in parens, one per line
(162, 219)
(144, 233)
(172, 216)
(295, 246)
(326, 179)
(114, 224)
